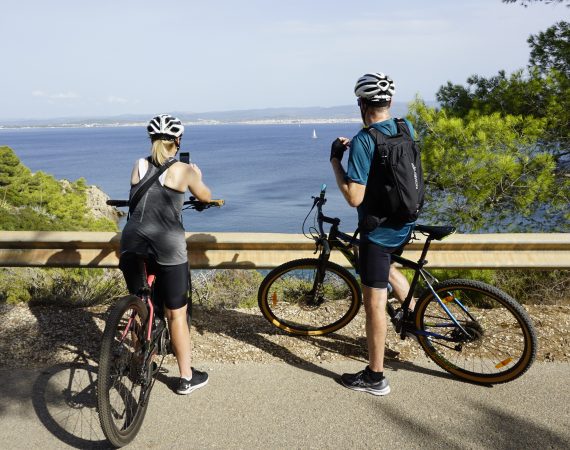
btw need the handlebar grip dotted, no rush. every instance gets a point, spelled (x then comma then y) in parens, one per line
(217, 202)
(118, 203)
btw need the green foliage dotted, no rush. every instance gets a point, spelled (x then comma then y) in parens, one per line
(77, 287)
(37, 201)
(487, 171)
(541, 91)
(226, 288)
(14, 285)
(550, 49)
(525, 93)
(497, 154)
(65, 287)
(536, 287)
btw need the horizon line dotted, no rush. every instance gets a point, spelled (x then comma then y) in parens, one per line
(13, 121)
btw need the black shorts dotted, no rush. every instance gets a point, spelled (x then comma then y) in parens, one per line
(374, 262)
(172, 284)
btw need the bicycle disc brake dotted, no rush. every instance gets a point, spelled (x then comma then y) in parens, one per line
(474, 336)
(313, 299)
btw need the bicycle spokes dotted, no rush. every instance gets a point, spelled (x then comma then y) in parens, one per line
(303, 299)
(123, 371)
(471, 328)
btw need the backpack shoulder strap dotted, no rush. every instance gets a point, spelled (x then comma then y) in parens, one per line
(378, 137)
(134, 200)
(403, 127)
(380, 141)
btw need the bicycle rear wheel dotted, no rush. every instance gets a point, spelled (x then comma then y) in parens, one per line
(498, 342)
(291, 299)
(124, 379)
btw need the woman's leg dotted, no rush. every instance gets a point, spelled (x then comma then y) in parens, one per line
(171, 288)
(180, 338)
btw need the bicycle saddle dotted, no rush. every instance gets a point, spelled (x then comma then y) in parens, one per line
(435, 232)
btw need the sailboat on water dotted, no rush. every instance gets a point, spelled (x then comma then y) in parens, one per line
(314, 134)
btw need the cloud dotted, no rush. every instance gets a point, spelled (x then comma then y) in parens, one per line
(69, 95)
(114, 99)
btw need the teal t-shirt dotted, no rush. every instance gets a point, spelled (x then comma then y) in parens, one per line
(359, 160)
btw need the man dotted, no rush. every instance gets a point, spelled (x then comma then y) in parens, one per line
(378, 241)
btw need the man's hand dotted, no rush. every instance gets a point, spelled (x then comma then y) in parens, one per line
(338, 148)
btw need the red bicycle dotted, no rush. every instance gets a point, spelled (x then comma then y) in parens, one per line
(135, 337)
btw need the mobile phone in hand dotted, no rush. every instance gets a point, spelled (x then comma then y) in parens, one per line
(185, 157)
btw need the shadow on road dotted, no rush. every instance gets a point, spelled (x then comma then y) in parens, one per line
(64, 399)
(484, 425)
(254, 330)
(64, 394)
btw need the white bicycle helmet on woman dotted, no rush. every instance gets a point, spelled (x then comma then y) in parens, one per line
(375, 88)
(165, 127)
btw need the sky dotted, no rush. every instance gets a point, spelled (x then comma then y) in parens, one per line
(69, 58)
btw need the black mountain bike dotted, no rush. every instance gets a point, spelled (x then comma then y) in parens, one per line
(470, 329)
(135, 337)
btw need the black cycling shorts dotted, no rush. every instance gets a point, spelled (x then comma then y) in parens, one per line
(374, 261)
(172, 284)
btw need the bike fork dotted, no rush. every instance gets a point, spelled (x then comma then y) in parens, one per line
(322, 266)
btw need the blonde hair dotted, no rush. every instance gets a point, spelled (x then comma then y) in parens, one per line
(162, 151)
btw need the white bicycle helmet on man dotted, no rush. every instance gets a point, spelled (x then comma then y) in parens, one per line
(375, 88)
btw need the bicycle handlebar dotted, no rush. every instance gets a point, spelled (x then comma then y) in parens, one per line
(191, 203)
(433, 232)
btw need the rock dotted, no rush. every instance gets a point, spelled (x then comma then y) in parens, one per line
(96, 202)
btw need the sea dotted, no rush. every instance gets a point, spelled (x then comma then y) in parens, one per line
(267, 174)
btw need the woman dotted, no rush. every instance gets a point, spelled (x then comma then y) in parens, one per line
(155, 229)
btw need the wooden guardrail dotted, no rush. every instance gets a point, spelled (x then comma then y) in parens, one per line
(267, 250)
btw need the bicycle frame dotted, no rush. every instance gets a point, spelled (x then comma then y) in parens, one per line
(348, 245)
(147, 346)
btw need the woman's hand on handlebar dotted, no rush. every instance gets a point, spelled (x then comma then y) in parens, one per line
(198, 205)
(118, 203)
(192, 203)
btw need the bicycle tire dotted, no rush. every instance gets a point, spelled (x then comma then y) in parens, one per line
(120, 396)
(286, 301)
(502, 343)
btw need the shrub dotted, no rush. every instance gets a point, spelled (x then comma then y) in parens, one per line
(537, 287)
(226, 288)
(65, 287)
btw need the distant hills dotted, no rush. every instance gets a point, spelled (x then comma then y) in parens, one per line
(344, 113)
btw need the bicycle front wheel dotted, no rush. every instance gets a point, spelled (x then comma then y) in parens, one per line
(123, 377)
(492, 341)
(292, 299)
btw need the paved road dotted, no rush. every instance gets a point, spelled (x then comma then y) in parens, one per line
(282, 406)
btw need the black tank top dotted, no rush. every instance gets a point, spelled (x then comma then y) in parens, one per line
(155, 226)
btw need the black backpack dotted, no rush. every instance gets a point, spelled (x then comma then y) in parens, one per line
(395, 188)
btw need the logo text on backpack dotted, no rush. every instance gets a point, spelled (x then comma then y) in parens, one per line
(415, 175)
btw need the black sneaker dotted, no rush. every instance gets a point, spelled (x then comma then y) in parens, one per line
(198, 380)
(361, 382)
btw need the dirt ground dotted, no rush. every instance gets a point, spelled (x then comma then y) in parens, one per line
(32, 336)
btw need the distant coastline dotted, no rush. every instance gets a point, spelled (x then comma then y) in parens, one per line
(268, 116)
(188, 123)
